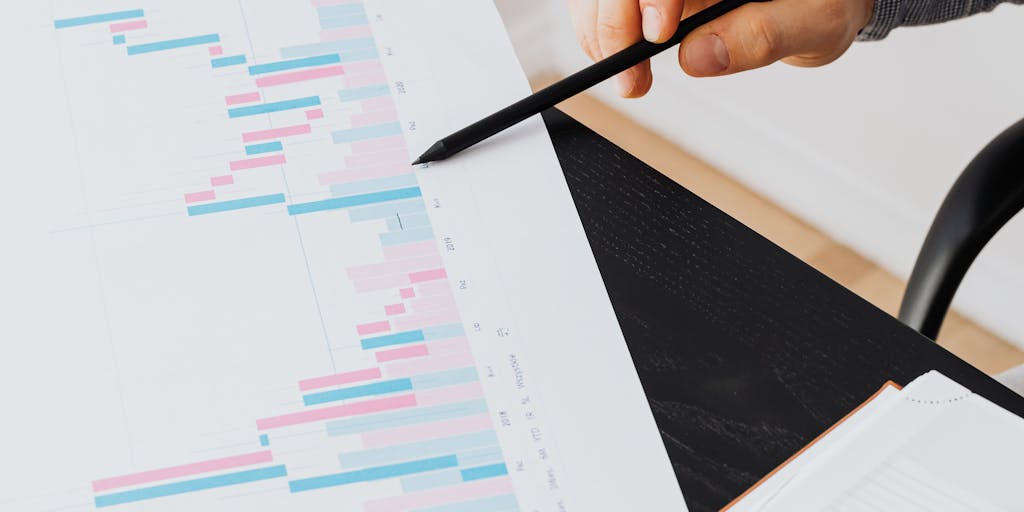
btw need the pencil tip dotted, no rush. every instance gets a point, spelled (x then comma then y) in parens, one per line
(418, 161)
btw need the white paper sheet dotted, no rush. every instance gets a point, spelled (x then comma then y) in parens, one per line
(208, 306)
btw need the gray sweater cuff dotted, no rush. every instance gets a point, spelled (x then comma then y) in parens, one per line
(889, 14)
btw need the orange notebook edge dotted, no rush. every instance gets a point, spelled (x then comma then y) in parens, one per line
(821, 436)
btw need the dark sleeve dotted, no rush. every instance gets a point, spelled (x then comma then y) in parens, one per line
(889, 14)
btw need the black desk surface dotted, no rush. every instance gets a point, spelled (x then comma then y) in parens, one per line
(745, 352)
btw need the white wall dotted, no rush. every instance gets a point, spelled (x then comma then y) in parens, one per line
(865, 149)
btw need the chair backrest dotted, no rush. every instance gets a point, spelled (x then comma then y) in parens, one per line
(987, 195)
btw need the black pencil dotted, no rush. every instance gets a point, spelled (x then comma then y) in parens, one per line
(570, 86)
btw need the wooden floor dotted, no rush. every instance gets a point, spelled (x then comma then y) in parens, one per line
(959, 335)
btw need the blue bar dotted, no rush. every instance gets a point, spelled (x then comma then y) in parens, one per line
(198, 484)
(233, 60)
(344, 21)
(375, 388)
(361, 93)
(172, 44)
(444, 478)
(272, 67)
(119, 39)
(440, 332)
(362, 187)
(264, 440)
(370, 474)
(481, 472)
(350, 201)
(98, 18)
(341, 45)
(407, 236)
(445, 378)
(422, 449)
(383, 211)
(358, 55)
(399, 338)
(501, 503)
(481, 457)
(408, 221)
(276, 106)
(265, 147)
(391, 419)
(333, 11)
(235, 204)
(374, 131)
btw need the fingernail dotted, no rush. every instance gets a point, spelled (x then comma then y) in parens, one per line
(707, 55)
(624, 83)
(651, 24)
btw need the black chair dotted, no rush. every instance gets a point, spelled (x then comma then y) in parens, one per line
(983, 199)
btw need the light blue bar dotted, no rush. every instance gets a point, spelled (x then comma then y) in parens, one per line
(383, 211)
(420, 450)
(359, 55)
(340, 45)
(444, 478)
(362, 187)
(482, 472)
(98, 18)
(500, 503)
(407, 236)
(391, 419)
(398, 338)
(265, 147)
(235, 204)
(375, 388)
(352, 20)
(408, 221)
(276, 106)
(307, 62)
(440, 332)
(198, 484)
(370, 474)
(264, 440)
(333, 11)
(172, 44)
(222, 62)
(480, 457)
(119, 39)
(361, 93)
(357, 200)
(445, 378)
(374, 131)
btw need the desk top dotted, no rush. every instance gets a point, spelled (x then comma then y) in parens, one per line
(745, 352)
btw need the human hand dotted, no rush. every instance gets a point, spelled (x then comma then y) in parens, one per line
(799, 32)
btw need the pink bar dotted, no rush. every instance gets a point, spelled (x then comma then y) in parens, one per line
(419, 320)
(394, 267)
(216, 50)
(299, 76)
(459, 393)
(366, 160)
(429, 364)
(427, 275)
(338, 411)
(406, 293)
(395, 252)
(377, 103)
(315, 114)
(299, 129)
(125, 26)
(206, 466)
(401, 353)
(247, 97)
(364, 173)
(394, 309)
(433, 288)
(253, 163)
(195, 197)
(373, 328)
(421, 432)
(220, 181)
(440, 496)
(365, 79)
(370, 146)
(373, 284)
(432, 303)
(339, 378)
(378, 117)
(333, 34)
(363, 66)
(447, 346)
